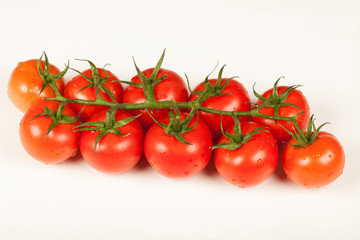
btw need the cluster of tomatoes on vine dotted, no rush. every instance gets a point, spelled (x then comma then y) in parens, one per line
(178, 133)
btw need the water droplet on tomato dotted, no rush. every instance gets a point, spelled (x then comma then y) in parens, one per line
(169, 173)
(330, 155)
(195, 165)
(186, 173)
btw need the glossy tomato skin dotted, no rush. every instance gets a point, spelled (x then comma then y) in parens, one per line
(174, 159)
(60, 144)
(295, 97)
(79, 82)
(114, 154)
(252, 163)
(173, 87)
(25, 84)
(237, 100)
(316, 165)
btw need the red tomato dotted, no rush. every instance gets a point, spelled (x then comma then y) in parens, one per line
(79, 82)
(25, 84)
(114, 154)
(172, 87)
(237, 100)
(60, 144)
(316, 165)
(250, 164)
(295, 97)
(175, 159)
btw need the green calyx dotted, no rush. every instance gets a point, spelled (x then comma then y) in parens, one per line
(305, 139)
(211, 90)
(238, 139)
(49, 80)
(275, 100)
(109, 126)
(176, 127)
(96, 81)
(148, 83)
(57, 117)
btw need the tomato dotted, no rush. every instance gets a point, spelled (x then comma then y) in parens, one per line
(295, 97)
(316, 165)
(237, 100)
(25, 84)
(173, 87)
(175, 159)
(114, 154)
(60, 144)
(250, 164)
(74, 90)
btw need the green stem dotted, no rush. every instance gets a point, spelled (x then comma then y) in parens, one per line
(110, 118)
(169, 105)
(54, 87)
(59, 112)
(149, 92)
(148, 85)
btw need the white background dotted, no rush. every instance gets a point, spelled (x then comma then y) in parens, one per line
(313, 43)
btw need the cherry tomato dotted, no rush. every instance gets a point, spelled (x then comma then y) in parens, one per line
(295, 97)
(316, 165)
(72, 90)
(60, 144)
(172, 87)
(25, 84)
(250, 164)
(175, 159)
(114, 154)
(237, 100)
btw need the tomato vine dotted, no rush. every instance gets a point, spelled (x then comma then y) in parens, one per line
(147, 84)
